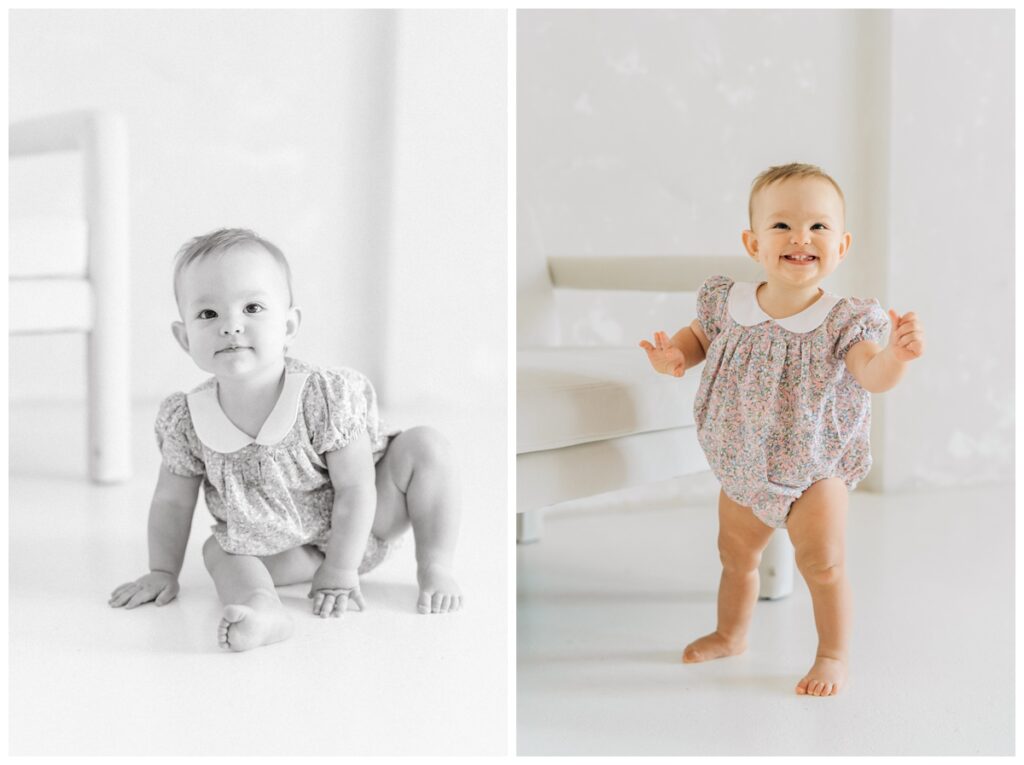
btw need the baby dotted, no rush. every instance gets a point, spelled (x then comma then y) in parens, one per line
(783, 410)
(302, 477)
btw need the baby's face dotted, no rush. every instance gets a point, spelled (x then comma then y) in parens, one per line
(798, 216)
(236, 318)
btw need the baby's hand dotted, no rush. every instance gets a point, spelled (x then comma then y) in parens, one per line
(664, 356)
(332, 588)
(906, 341)
(158, 585)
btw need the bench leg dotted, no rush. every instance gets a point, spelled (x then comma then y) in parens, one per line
(776, 569)
(529, 526)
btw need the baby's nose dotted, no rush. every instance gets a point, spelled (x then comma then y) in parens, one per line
(231, 328)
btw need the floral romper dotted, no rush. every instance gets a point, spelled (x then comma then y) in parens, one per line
(272, 493)
(777, 410)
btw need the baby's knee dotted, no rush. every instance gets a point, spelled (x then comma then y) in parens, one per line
(426, 446)
(738, 555)
(824, 566)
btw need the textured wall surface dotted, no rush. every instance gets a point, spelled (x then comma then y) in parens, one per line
(952, 245)
(640, 133)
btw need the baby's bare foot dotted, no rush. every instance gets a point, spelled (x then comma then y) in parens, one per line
(825, 678)
(248, 626)
(713, 646)
(439, 593)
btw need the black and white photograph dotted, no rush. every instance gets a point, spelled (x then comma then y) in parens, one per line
(258, 382)
(764, 403)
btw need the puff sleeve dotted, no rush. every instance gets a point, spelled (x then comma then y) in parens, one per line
(339, 405)
(176, 438)
(711, 300)
(856, 320)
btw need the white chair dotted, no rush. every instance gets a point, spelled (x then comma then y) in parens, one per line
(71, 274)
(595, 419)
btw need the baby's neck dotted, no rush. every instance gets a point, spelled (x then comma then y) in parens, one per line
(780, 302)
(248, 401)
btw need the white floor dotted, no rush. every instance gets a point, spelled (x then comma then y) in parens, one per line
(87, 679)
(619, 584)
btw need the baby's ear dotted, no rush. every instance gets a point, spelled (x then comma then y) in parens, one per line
(750, 243)
(180, 334)
(294, 322)
(844, 244)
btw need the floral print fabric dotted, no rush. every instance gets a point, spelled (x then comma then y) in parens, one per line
(777, 410)
(270, 498)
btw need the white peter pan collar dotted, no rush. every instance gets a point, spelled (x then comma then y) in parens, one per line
(745, 310)
(217, 432)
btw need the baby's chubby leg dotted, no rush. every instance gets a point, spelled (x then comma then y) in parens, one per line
(817, 527)
(253, 614)
(741, 540)
(417, 485)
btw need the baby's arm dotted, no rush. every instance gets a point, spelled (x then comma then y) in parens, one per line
(687, 348)
(170, 521)
(878, 369)
(355, 501)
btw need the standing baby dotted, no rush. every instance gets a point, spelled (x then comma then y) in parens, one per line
(303, 479)
(783, 410)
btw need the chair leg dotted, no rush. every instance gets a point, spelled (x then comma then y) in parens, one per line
(106, 194)
(776, 569)
(529, 526)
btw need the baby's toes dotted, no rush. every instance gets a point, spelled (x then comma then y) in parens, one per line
(423, 604)
(222, 633)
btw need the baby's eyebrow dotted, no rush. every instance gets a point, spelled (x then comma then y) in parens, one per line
(245, 296)
(786, 214)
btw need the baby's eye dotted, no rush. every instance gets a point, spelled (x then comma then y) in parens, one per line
(206, 313)
(819, 224)
(253, 308)
(780, 224)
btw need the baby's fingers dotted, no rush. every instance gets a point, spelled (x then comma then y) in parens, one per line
(167, 594)
(646, 345)
(119, 590)
(328, 606)
(143, 595)
(340, 604)
(357, 598)
(123, 594)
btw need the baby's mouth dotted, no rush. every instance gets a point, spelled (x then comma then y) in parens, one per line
(800, 259)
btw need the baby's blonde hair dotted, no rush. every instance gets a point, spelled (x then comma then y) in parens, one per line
(781, 173)
(220, 241)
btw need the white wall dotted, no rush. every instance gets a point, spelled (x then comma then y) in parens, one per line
(448, 323)
(951, 245)
(287, 122)
(639, 132)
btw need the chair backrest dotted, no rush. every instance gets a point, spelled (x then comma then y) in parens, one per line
(536, 316)
(538, 277)
(71, 273)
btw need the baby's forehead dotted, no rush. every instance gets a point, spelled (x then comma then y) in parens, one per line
(242, 266)
(824, 194)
